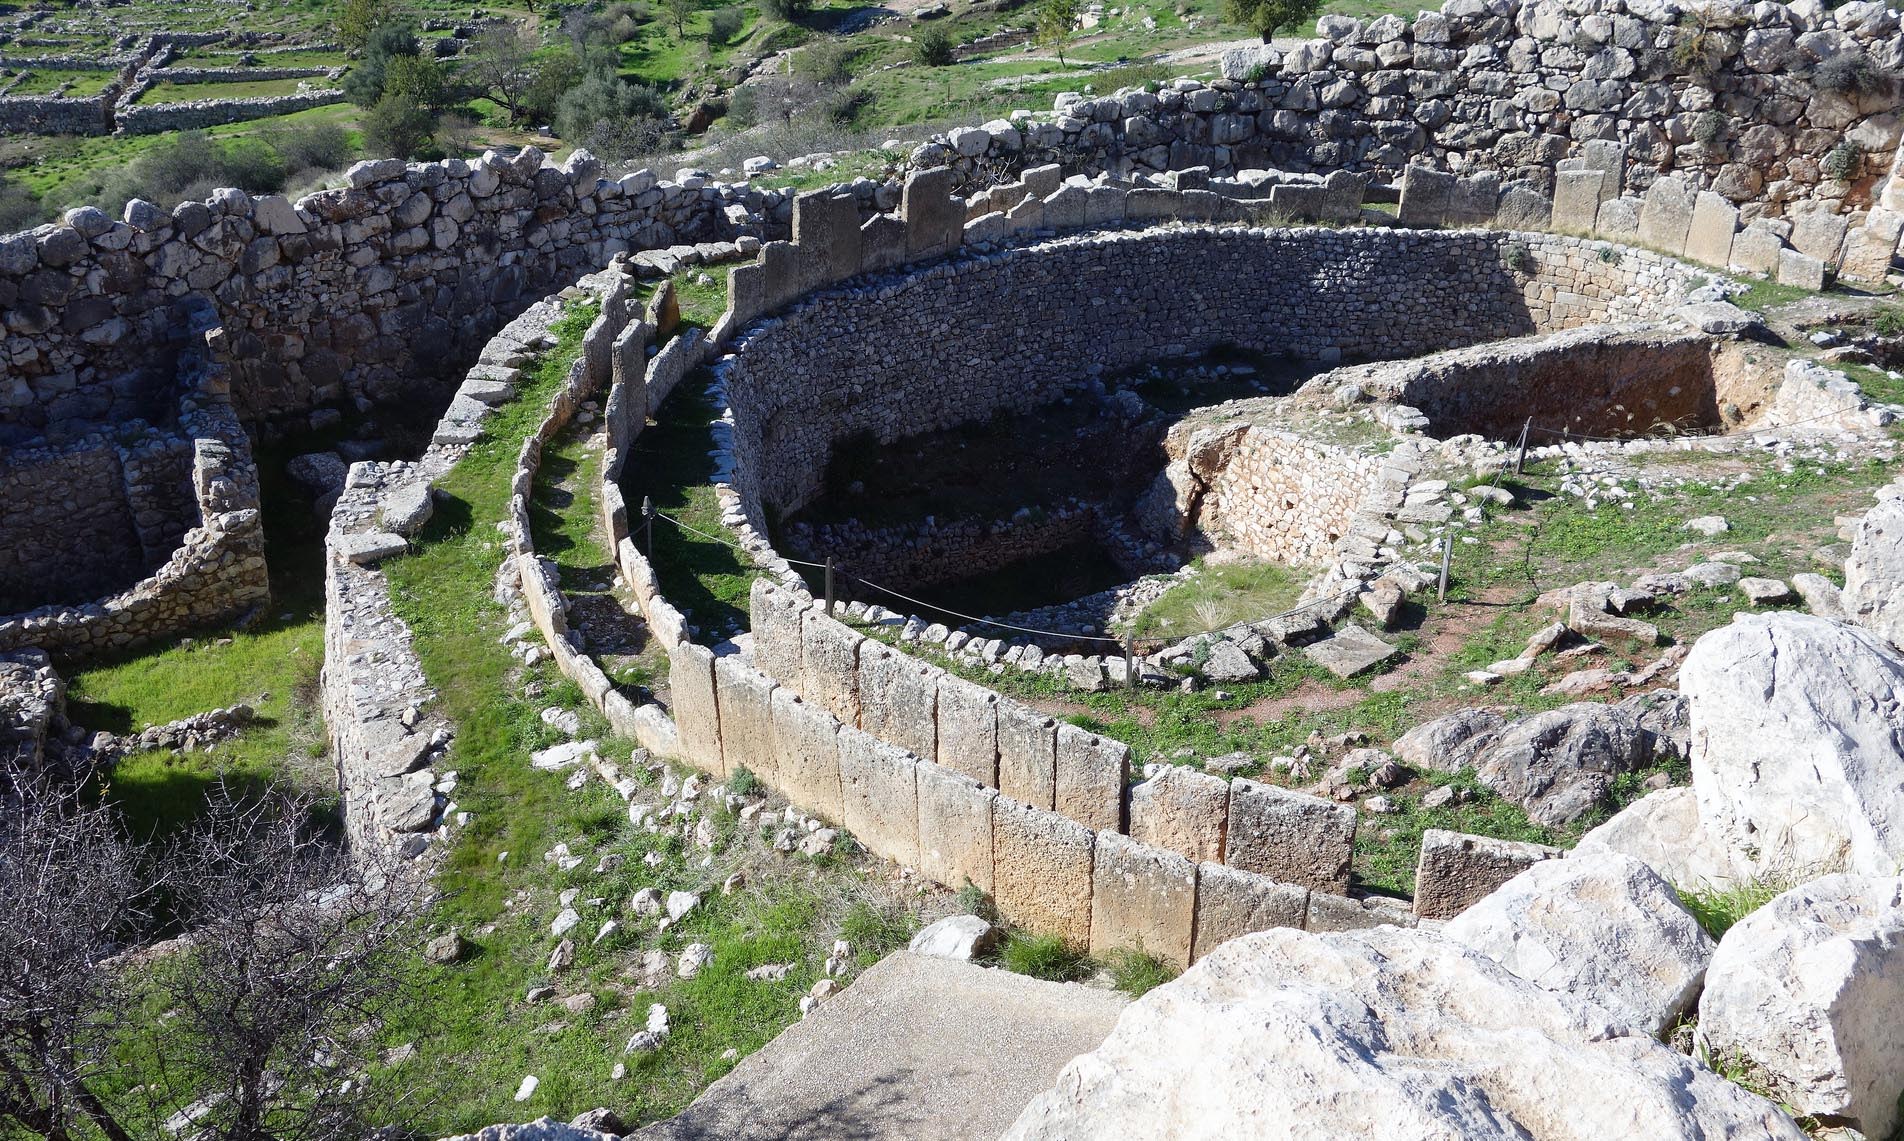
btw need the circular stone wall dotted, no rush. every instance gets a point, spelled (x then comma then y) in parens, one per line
(957, 341)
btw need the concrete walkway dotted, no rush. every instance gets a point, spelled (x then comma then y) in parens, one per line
(917, 1048)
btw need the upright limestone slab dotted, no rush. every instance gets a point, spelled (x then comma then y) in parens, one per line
(807, 755)
(1142, 899)
(1425, 196)
(1714, 220)
(829, 663)
(696, 714)
(1041, 876)
(1090, 775)
(1290, 836)
(898, 698)
(826, 231)
(968, 729)
(879, 795)
(934, 219)
(955, 828)
(1232, 902)
(1455, 869)
(1666, 215)
(1755, 250)
(1182, 810)
(774, 613)
(745, 697)
(1577, 200)
(1027, 755)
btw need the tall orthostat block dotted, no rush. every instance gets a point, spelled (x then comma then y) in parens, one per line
(934, 219)
(879, 796)
(696, 716)
(898, 698)
(1666, 215)
(1142, 899)
(1714, 220)
(1041, 871)
(968, 729)
(774, 612)
(829, 663)
(1426, 193)
(955, 828)
(826, 229)
(1027, 754)
(1182, 810)
(1577, 200)
(1232, 902)
(1290, 836)
(1455, 870)
(1090, 773)
(807, 755)
(745, 697)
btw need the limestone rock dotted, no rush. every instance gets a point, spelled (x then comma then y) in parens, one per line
(1381, 1033)
(1600, 926)
(541, 1129)
(1807, 988)
(1560, 764)
(1350, 651)
(1448, 743)
(961, 937)
(1874, 574)
(1796, 724)
(1662, 830)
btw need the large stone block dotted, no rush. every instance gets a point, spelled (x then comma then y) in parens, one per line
(1091, 772)
(1182, 810)
(968, 729)
(1142, 899)
(1425, 196)
(629, 375)
(898, 699)
(1799, 269)
(1870, 249)
(879, 795)
(1455, 869)
(745, 697)
(1820, 235)
(1609, 158)
(1714, 220)
(1577, 200)
(1619, 218)
(696, 714)
(1755, 250)
(807, 755)
(826, 229)
(934, 219)
(829, 663)
(955, 829)
(1289, 836)
(1041, 871)
(1027, 754)
(1232, 902)
(1666, 215)
(882, 243)
(775, 615)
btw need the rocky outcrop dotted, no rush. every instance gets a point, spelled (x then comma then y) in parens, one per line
(1807, 990)
(1560, 764)
(1382, 1033)
(1796, 729)
(1663, 831)
(1599, 926)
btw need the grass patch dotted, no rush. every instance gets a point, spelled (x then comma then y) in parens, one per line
(1718, 909)
(1220, 595)
(1137, 974)
(1047, 957)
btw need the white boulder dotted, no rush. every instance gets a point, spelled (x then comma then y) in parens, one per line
(961, 937)
(1600, 926)
(1795, 744)
(1381, 1033)
(1808, 989)
(1662, 830)
(1874, 574)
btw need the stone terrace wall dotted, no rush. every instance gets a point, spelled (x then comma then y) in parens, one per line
(876, 359)
(1511, 87)
(68, 532)
(1286, 498)
(217, 571)
(197, 114)
(364, 291)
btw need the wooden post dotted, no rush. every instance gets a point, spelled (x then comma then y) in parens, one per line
(1130, 665)
(1447, 553)
(829, 586)
(1520, 461)
(647, 526)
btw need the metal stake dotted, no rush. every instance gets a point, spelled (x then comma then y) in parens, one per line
(1520, 461)
(829, 586)
(1447, 553)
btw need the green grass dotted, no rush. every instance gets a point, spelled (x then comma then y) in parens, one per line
(1762, 295)
(1718, 909)
(1219, 596)
(1137, 974)
(245, 89)
(1046, 957)
(708, 579)
(702, 302)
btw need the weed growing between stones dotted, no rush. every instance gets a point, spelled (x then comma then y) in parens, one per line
(1137, 974)
(1044, 957)
(1718, 908)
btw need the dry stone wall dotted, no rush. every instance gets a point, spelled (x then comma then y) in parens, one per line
(1745, 99)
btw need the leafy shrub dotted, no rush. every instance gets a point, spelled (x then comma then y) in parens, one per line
(398, 127)
(788, 10)
(724, 25)
(19, 209)
(1850, 73)
(1044, 957)
(310, 146)
(933, 47)
(1515, 257)
(1698, 48)
(615, 120)
(843, 107)
(364, 84)
(743, 782)
(1267, 17)
(1709, 129)
(1889, 322)
(1843, 162)
(972, 900)
(825, 64)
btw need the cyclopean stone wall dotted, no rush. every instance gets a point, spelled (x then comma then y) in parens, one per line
(184, 503)
(874, 359)
(1740, 98)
